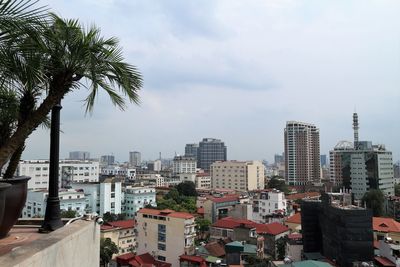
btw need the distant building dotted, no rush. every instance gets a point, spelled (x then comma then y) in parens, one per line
(70, 171)
(237, 175)
(166, 233)
(203, 181)
(79, 155)
(107, 160)
(36, 201)
(184, 164)
(191, 150)
(154, 165)
(210, 150)
(302, 154)
(136, 198)
(119, 172)
(135, 159)
(279, 158)
(336, 229)
(324, 162)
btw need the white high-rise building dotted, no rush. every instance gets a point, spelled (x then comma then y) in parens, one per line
(237, 175)
(70, 171)
(302, 156)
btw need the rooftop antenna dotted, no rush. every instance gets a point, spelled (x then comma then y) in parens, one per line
(355, 129)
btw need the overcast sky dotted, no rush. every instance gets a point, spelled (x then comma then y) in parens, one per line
(237, 71)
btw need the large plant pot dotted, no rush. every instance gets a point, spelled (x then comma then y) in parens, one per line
(15, 198)
(3, 189)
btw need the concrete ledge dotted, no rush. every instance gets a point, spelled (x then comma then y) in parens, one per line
(77, 244)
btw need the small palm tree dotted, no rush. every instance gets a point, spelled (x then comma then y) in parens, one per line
(71, 58)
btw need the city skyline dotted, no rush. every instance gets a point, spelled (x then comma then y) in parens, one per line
(257, 65)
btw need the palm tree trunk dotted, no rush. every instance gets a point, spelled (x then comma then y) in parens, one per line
(58, 88)
(14, 161)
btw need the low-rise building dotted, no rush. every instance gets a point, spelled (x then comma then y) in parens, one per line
(166, 234)
(269, 206)
(184, 164)
(36, 201)
(386, 228)
(294, 222)
(122, 234)
(294, 247)
(217, 207)
(136, 198)
(389, 253)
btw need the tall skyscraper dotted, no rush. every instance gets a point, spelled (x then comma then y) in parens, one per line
(135, 159)
(210, 150)
(79, 155)
(191, 150)
(302, 158)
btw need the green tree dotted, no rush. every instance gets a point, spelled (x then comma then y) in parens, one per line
(107, 249)
(173, 194)
(374, 200)
(70, 58)
(278, 183)
(281, 247)
(69, 214)
(187, 188)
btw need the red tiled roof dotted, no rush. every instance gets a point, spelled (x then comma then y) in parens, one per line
(296, 218)
(167, 213)
(192, 258)
(303, 195)
(384, 261)
(200, 210)
(271, 228)
(295, 236)
(146, 260)
(226, 198)
(385, 225)
(123, 224)
(125, 258)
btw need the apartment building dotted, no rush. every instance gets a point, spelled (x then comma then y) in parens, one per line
(166, 234)
(70, 199)
(183, 164)
(269, 205)
(237, 175)
(136, 198)
(70, 171)
(122, 233)
(302, 153)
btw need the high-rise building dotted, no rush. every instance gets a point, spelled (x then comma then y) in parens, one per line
(362, 166)
(79, 155)
(191, 150)
(210, 150)
(279, 158)
(135, 159)
(302, 158)
(323, 160)
(107, 160)
(237, 175)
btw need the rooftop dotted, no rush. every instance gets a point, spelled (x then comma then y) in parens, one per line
(303, 195)
(381, 224)
(166, 213)
(274, 228)
(296, 218)
(123, 224)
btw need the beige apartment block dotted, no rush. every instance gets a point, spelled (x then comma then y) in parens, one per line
(165, 234)
(237, 175)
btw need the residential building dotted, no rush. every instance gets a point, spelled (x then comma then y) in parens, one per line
(269, 206)
(122, 234)
(36, 201)
(119, 172)
(107, 160)
(294, 247)
(166, 234)
(102, 197)
(184, 164)
(386, 228)
(302, 154)
(136, 198)
(389, 253)
(79, 155)
(191, 150)
(70, 171)
(337, 229)
(237, 175)
(217, 207)
(392, 205)
(294, 222)
(210, 150)
(203, 181)
(154, 165)
(135, 159)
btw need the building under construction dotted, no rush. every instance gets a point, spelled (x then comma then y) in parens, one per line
(337, 229)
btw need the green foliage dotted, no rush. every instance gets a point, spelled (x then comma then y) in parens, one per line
(278, 183)
(254, 261)
(187, 188)
(374, 200)
(111, 217)
(107, 249)
(397, 190)
(69, 214)
(202, 225)
(182, 203)
(281, 247)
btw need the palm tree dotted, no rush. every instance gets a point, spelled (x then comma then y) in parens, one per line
(107, 249)
(71, 58)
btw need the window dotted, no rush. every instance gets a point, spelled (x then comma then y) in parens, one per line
(161, 246)
(161, 228)
(161, 258)
(161, 237)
